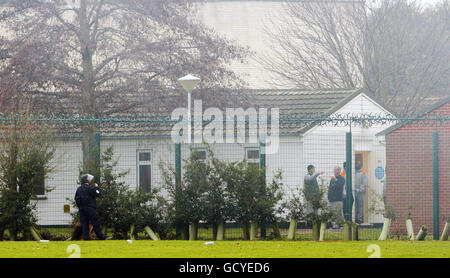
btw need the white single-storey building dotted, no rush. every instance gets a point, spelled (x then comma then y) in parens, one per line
(140, 150)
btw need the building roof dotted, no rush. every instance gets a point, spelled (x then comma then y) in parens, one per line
(421, 114)
(303, 101)
(306, 103)
(292, 104)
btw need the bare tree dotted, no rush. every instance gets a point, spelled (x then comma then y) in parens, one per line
(101, 58)
(397, 50)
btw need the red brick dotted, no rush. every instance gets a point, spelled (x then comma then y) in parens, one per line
(409, 172)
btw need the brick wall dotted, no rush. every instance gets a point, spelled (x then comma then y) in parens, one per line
(409, 173)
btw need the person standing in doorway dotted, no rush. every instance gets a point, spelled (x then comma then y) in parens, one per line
(361, 182)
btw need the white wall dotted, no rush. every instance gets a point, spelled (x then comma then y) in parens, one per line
(288, 159)
(63, 179)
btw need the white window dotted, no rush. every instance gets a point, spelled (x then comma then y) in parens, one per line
(144, 171)
(252, 156)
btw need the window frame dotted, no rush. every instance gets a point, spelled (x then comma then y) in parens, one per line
(140, 163)
(200, 149)
(44, 195)
(253, 160)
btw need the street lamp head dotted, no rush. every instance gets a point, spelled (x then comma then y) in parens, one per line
(189, 82)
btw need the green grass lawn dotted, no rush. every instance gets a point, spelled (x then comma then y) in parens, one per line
(226, 249)
(233, 234)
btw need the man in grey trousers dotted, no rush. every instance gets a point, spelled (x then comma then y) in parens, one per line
(361, 182)
(335, 195)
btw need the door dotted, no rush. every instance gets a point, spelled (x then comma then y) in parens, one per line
(363, 158)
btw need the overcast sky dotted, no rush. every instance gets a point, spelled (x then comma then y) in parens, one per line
(425, 3)
(430, 2)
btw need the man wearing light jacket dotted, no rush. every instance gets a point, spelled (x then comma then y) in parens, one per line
(361, 182)
(85, 198)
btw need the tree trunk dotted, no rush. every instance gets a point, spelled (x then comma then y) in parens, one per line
(12, 236)
(446, 231)
(12, 230)
(410, 229)
(385, 232)
(276, 230)
(34, 234)
(185, 232)
(214, 228)
(292, 229)
(355, 231)
(253, 230)
(27, 235)
(151, 233)
(315, 231)
(323, 229)
(193, 231)
(246, 230)
(347, 232)
(91, 151)
(422, 233)
(221, 231)
(132, 232)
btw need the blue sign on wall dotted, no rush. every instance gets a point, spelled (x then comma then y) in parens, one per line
(379, 172)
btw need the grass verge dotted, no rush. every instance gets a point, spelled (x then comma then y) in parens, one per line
(227, 249)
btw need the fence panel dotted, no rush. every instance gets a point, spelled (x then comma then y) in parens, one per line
(393, 157)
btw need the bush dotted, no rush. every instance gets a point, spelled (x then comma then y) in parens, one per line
(378, 205)
(214, 191)
(188, 199)
(218, 205)
(251, 197)
(294, 207)
(25, 155)
(135, 208)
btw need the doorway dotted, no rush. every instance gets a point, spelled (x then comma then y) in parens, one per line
(364, 158)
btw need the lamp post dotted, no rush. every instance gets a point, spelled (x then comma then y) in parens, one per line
(189, 82)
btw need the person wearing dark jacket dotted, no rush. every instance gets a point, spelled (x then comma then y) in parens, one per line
(85, 199)
(336, 192)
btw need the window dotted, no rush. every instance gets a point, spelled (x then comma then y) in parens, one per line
(39, 189)
(144, 171)
(201, 153)
(252, 156)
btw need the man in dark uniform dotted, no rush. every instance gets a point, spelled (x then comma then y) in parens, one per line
(87, 205)
(336, 194)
